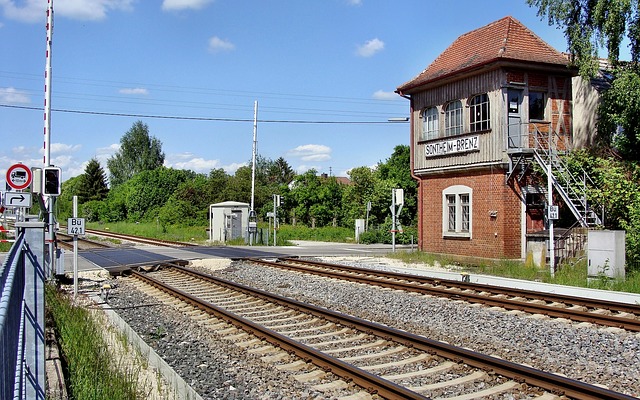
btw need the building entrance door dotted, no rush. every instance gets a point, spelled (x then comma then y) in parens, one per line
(514, 106)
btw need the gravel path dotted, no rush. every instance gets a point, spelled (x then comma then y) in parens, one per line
(220, 370)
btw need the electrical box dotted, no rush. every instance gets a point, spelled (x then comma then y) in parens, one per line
(606, 254)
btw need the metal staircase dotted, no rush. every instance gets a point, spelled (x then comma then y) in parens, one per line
(571, 188)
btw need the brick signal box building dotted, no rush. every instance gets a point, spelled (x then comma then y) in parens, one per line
(495, 102)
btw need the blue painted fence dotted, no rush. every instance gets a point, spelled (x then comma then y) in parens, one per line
(22, 351)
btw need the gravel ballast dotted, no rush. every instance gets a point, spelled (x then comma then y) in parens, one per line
(218, 369)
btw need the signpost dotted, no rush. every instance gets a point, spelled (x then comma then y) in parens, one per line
(17, 199)
(75, 227)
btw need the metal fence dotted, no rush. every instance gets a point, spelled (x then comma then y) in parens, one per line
(22, 350)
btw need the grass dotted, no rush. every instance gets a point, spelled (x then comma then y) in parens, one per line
(196, 234)
(574, 274)
(199, 234)
(91, 372)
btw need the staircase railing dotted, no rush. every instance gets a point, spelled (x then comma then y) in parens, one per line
(572, 189)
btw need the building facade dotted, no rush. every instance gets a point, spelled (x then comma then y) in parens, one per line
(497, 101)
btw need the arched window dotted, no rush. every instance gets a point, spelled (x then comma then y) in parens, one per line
(479, 119)
(430, 123)
(453, 118)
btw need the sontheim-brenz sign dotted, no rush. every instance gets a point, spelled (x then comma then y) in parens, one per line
(450, 146)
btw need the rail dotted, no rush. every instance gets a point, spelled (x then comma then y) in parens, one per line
(521, 373)
(22, 316)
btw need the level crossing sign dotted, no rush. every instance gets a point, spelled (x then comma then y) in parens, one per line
(19, 176)
(75, 226)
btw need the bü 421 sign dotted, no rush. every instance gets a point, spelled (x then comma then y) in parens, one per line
(75, 226)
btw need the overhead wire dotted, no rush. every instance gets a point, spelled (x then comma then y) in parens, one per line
(175, 117)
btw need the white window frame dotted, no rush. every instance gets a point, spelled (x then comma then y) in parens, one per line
(457, 215)
(479, 113)
(453, 121)
(430, 123)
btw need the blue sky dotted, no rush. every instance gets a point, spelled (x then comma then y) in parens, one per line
(322, 71)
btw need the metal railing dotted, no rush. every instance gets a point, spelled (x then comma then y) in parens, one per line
(22, 350)
(547, 147)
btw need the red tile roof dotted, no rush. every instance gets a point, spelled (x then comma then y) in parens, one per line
(504, 40)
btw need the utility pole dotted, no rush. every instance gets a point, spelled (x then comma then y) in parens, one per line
(253, 223)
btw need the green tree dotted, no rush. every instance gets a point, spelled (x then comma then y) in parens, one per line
(280, 172)
(396, 170)
(150, 190)
(303, 196)
(591, 24)
(189, 203)
(619, 123)
(94, 182)
(138, 152)
(64, 203)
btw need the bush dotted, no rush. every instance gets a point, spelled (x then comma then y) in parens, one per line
(94, 210)
(323, 234)
(383, 235)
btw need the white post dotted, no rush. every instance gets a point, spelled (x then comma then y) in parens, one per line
(210, 223)
(75, 250)
(253, 163)
(552, 255)
(393, 218)
(275, 219)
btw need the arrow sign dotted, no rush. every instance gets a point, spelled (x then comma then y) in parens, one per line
(17, 199)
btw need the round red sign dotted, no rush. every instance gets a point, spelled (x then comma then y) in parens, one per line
(19, 176)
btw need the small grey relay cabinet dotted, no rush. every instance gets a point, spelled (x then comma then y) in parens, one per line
(606, 254)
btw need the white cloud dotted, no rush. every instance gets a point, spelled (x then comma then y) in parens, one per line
(35, 10)
(370, 47)
(216, 44)
(102, 154)
(198, 164)
(301, 169)
(233, 167)
(134, 91)
(175, 5)
(382, 95)
(19, 150)
(63, 148)
(311, 152)
(13, 96)
(91, 9)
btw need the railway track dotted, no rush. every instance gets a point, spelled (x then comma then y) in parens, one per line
(579, 309)
(66, 241)
(139, 239)
(384, 361)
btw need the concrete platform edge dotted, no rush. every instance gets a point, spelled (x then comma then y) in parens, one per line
(178, 386)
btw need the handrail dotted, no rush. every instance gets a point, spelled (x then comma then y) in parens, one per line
(12, 285)
(546, 151)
